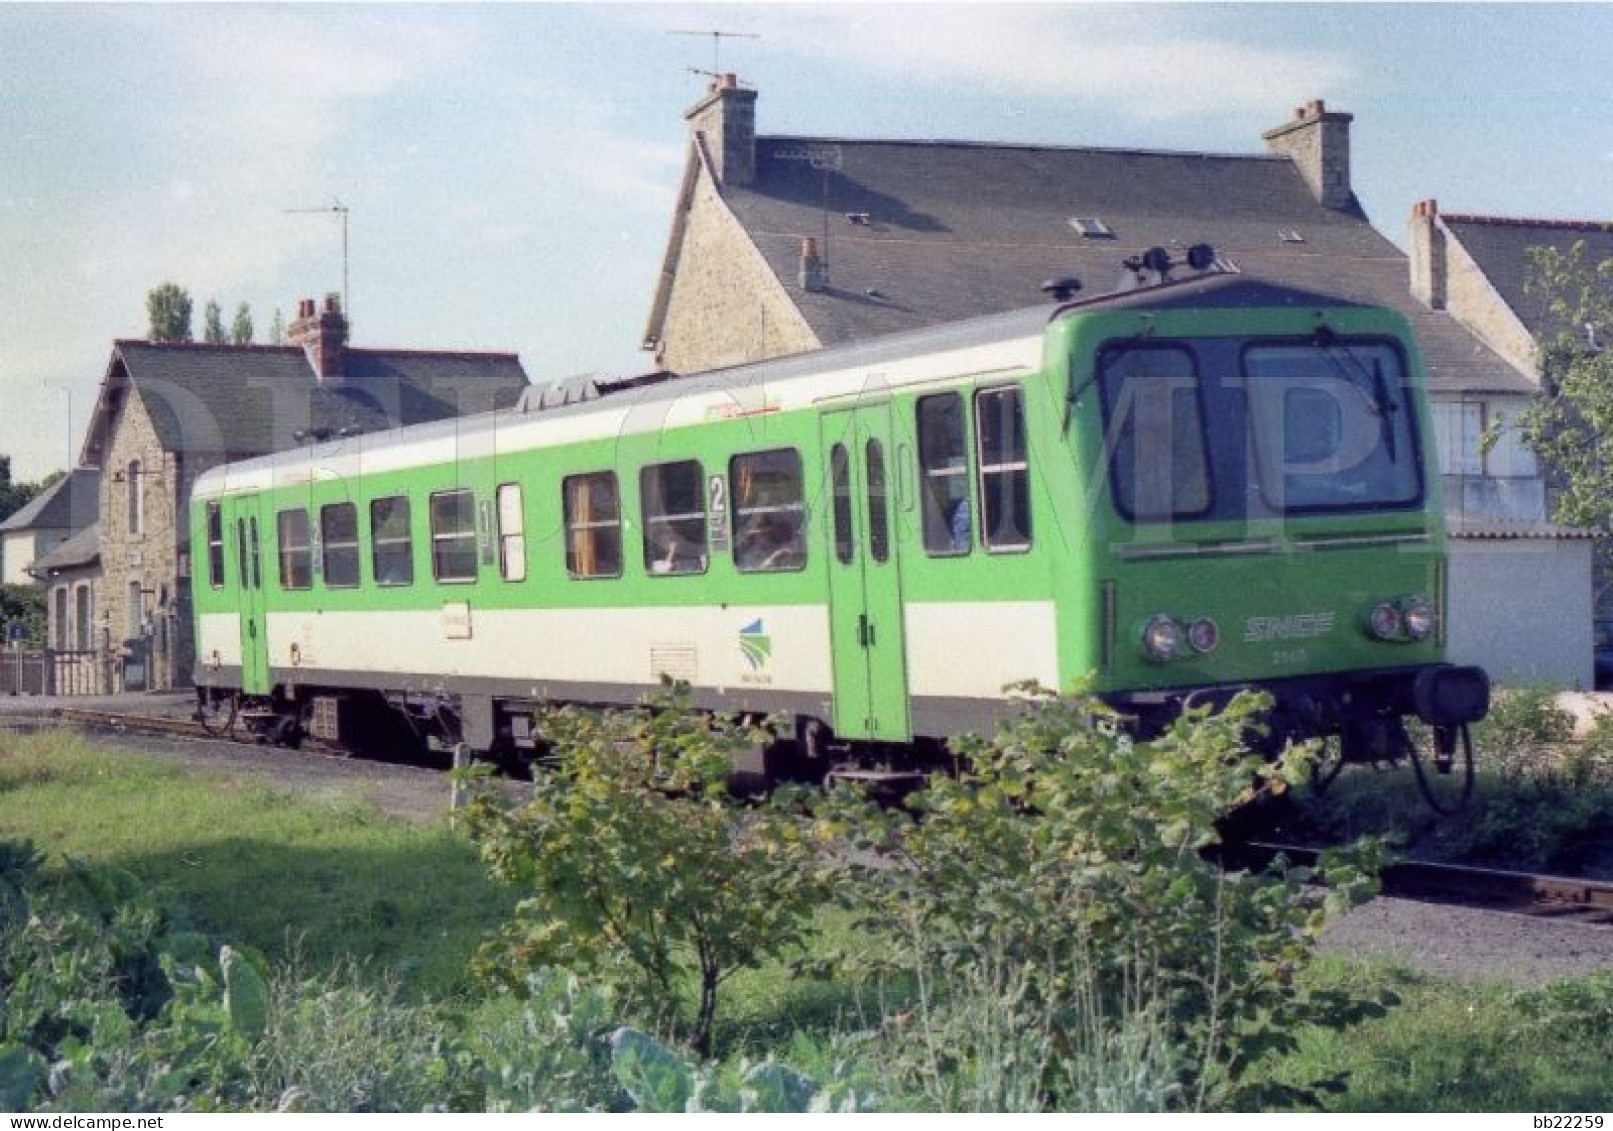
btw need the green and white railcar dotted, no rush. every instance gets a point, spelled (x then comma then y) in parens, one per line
(1187, 489)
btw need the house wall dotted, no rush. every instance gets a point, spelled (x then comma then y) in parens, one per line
(151, 557)
(727, 306)
(16, 551)
(1474, 302)
(1521, 609)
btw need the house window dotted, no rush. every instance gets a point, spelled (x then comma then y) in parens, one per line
(769, 515)
(672, 497)
(593, 513)
(511, 536)
(1005, 499)
(84, 621)
(137, 610)
(453, 535)
(391, 547)
(338, 535)
(137, 504)
(58, 634)
(944, 475)
(215, 546)
(296, 550)
(1460, 428)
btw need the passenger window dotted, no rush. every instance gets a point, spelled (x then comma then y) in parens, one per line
(593, 514)
(1005, 508)
(769, 515)
(296, 550)
(944, 472)
(845, 537)
(453, 535)
(240, 549)
(338, 536)
(215, 546)
(257, 561)
(391, 544)
(511, 539)
(672, 499)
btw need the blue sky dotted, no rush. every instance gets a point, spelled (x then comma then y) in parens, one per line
(511, 169)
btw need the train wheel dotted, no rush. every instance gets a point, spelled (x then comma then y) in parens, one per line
(1442, 753)
(216, 713)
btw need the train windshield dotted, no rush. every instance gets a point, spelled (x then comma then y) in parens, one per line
(1226, 428)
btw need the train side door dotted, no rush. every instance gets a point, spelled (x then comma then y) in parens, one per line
(865, 594)
(248, 531)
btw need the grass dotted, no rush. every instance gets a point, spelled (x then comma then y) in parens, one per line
(1450, 1047)
(327, 878)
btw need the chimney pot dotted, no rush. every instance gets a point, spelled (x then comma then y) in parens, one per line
(814, 272)
(1318, 142)
(726, 118)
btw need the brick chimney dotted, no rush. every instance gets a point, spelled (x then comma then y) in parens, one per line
(323, 336)
(1318, 141)
(726, 119)
(1425, 251)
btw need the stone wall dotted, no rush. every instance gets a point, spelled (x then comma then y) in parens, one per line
(1474, 302)
(149, 556)
(727, 306)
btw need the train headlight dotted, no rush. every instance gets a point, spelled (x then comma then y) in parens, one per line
(1162, 639)
(1203, 635)
(1385, 622)
(1418, 617)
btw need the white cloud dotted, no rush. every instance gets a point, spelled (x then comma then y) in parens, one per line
(1145, 62)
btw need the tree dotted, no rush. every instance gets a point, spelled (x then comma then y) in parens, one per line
(168, 310)
(277, 329)
(213, 325)
(13, 496)
(1570, 425)
(241, 328)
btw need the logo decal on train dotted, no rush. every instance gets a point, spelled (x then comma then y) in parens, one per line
(755, 644)
(1297, 626)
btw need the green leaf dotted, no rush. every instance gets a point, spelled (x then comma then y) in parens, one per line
(650, 1072)
(775, 1088)
(21, 1071)
(246, 994)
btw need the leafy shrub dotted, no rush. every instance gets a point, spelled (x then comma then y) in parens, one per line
(1065, 866)
(1522, 734)
(644, 873)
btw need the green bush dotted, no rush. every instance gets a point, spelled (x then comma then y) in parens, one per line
(643, 873)
(1065, 866)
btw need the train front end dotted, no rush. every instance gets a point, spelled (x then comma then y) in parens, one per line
(1262, 510)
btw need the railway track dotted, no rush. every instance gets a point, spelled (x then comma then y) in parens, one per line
(1561, 898)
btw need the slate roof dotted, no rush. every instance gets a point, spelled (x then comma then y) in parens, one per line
(82, 549)
(958, 229)
(71, 503)
(1500, 247)
(250, 399)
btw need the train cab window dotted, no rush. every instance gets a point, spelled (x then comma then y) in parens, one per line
(391, 543)
(1159, 466)
(593, 515)
(296, 550)
(672, 498)
(338, 536)
(453, 535)
(944, 476)
(1005, 501)
(840, 472)
(511, 534)
(768, 511)
(215, 546)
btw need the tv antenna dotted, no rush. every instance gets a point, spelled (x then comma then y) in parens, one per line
(716, 45)
(336, 207)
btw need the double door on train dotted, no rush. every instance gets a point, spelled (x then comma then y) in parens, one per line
(243, 518)
(865, 588)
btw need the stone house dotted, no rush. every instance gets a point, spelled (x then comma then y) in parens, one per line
(166, 413)
(780, 244)
(45, 522)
